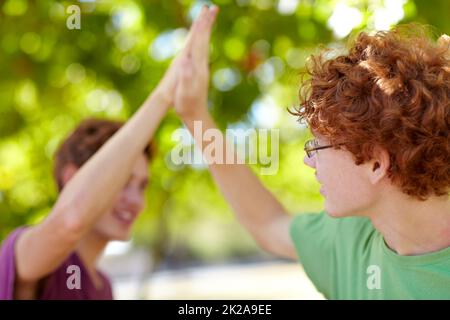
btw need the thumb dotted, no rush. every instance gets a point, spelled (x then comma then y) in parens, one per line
(185, 77)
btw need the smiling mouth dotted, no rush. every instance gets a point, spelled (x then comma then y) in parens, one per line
(124, 216)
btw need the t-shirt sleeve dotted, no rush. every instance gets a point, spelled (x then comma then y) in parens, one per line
(314, 238)
(8, 265)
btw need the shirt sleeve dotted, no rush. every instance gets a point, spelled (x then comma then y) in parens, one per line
(8, 265)
(314, 238)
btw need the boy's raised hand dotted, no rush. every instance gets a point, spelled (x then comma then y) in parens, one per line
(195, 50)
(192, 83)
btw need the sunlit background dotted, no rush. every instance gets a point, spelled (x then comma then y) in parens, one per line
(186, 244)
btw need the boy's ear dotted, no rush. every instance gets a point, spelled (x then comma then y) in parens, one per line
(379, 164)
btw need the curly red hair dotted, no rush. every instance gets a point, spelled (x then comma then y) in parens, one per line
(392, 90)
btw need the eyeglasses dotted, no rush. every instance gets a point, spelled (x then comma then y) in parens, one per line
(313, 145)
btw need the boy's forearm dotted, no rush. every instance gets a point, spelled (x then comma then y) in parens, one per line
(253, 204)
(109, 169)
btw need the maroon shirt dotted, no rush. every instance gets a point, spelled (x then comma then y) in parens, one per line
(54, 286)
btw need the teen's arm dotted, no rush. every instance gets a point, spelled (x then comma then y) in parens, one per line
(92, 190)
(255, 207)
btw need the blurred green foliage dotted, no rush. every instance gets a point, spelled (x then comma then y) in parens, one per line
(52, 77)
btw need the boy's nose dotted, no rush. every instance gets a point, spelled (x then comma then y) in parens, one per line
(310, 162)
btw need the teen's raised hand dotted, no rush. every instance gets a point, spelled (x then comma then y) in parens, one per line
(192, 84)
(167, 85)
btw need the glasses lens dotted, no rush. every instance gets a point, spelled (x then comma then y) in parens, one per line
(308, 147)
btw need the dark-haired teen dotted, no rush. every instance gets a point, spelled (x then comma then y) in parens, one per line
(101, 171)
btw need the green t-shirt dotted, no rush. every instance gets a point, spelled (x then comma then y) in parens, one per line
(347, 258)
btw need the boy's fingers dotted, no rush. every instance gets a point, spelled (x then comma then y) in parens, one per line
(193, 31)
(200, 43)
(214, 11)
